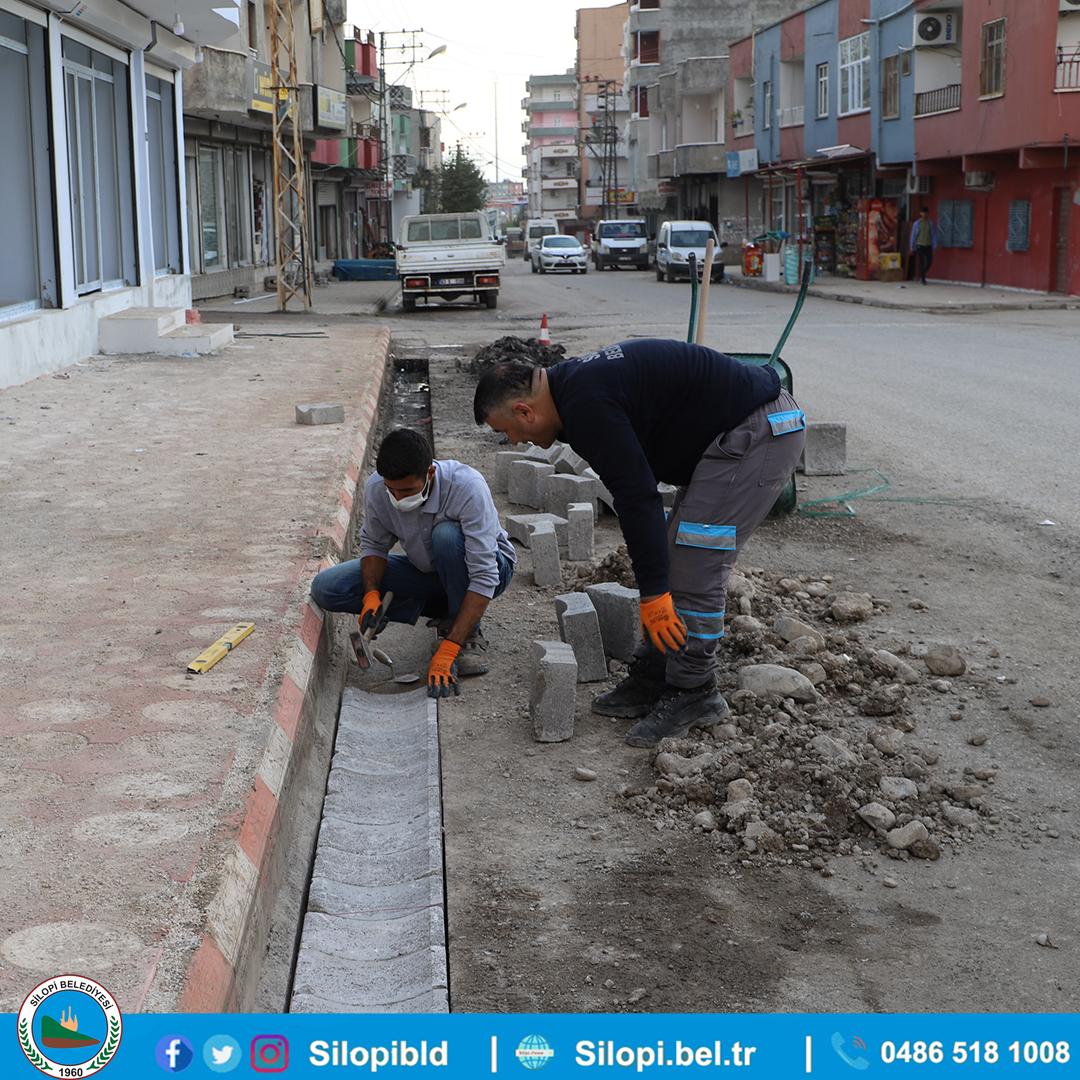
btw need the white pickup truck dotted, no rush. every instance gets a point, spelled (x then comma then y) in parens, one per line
(449, 256)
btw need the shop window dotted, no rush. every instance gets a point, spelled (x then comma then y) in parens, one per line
(26, 238)
(955, 222)
(992, 60)
(99, 155)
(890, 87)
(1019, 224)
(855, 74)
(822, 90)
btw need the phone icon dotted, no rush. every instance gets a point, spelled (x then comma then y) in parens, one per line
(838, 1046)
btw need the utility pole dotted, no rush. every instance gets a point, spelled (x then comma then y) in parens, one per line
(602, 138)
(290, 189)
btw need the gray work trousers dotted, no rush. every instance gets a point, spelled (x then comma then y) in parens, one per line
(733, 487)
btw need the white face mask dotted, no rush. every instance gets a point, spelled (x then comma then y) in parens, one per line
(411, 502)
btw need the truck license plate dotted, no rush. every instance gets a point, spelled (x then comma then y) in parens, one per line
(452, 281)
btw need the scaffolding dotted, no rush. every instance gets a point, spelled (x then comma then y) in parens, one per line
(290, 189)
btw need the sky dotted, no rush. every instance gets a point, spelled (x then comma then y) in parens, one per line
(492, 47)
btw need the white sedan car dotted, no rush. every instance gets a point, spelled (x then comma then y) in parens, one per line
(559, 253)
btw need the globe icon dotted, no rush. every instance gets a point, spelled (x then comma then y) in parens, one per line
(534, 1052)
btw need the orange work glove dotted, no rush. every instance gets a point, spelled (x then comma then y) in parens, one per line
(661, 624)
(369, 612)
(442, 675)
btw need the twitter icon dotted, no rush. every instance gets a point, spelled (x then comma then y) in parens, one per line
(222, 1053)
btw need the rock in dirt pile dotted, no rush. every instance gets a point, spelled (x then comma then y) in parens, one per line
(820, 753)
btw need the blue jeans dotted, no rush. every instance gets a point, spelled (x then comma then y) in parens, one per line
(435, 595)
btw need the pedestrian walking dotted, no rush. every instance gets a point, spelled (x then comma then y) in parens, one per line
(725, 433)
(923, 242)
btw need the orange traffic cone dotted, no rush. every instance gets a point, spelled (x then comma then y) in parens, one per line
(545, 337)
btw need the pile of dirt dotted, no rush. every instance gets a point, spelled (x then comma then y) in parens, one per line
(820, 753)
(526, 350)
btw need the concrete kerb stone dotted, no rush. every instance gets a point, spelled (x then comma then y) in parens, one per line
(503, 459)
(579, 627)
(544, 545)
(527, 482)
(554, 691)
(580, 534)
(220, 976)
(520, 527)
(619, 611)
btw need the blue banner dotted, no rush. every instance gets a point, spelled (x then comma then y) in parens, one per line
(441, 1047)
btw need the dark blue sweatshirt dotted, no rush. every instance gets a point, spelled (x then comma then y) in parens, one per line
(643, 412)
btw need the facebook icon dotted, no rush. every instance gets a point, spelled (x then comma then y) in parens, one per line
(174, 1053)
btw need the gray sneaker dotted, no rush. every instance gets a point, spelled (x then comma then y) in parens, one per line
(470, 661)
(676, 710)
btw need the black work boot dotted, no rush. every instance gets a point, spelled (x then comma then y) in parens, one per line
(676, 710)
(633, 696)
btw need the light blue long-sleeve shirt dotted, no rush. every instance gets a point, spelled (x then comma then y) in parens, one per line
(458, 493)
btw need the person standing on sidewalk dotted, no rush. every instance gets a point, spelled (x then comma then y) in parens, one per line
(923, 243)
(647, 411)
(457, 557)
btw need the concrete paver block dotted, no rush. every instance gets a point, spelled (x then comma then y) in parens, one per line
(667, 493)
(527, 482)
(825, 452)
(619, 611)
(602, 492)
(579, 627)
(566, 488)
(320, 414)
(580, 535)
(554, 691)
(545, 454)
(570, 462)
(544, 545)
(520, 526)
(503, 458)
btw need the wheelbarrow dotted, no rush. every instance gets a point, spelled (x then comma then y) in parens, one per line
(785, 502)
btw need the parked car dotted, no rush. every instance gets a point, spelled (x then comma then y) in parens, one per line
(674, 243)
(559, 253)
(450, 256)
(621, 243)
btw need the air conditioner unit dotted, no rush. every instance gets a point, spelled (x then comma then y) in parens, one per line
(937, 28)
(978, 180)
(1068, 5)
(918, 185)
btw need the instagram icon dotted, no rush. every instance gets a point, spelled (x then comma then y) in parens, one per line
(269, 1053)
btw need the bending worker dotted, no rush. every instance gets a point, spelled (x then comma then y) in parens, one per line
(457, 557)
(648, 411)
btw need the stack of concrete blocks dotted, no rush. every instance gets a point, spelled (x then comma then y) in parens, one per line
(619, 611)
(503, 460)
(527, 482)
(580, 538)
(554, 691)
(825, 452)
(579, 627)
(544, 545)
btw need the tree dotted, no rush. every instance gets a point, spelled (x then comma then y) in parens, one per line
(462, 187)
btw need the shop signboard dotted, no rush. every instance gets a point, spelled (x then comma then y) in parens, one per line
(331, 108)
(262, 87)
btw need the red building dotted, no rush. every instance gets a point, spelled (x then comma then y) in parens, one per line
(1004, 153)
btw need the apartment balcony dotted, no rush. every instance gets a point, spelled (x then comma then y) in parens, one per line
(944, 99)
(662, 165)
(1068, 69)
(793, 116)
(700, 158)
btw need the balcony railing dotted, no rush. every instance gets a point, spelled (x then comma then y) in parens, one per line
(1068, 69)
(935, 101)
(792, 117)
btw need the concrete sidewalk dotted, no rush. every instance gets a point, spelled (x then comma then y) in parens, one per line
(936, 296)
(149, 504)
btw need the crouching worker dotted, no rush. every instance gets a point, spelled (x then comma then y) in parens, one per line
(457, 557)
(725, 433)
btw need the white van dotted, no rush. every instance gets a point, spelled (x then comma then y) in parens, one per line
(535, 231)
(621, 243)
(674, 243)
